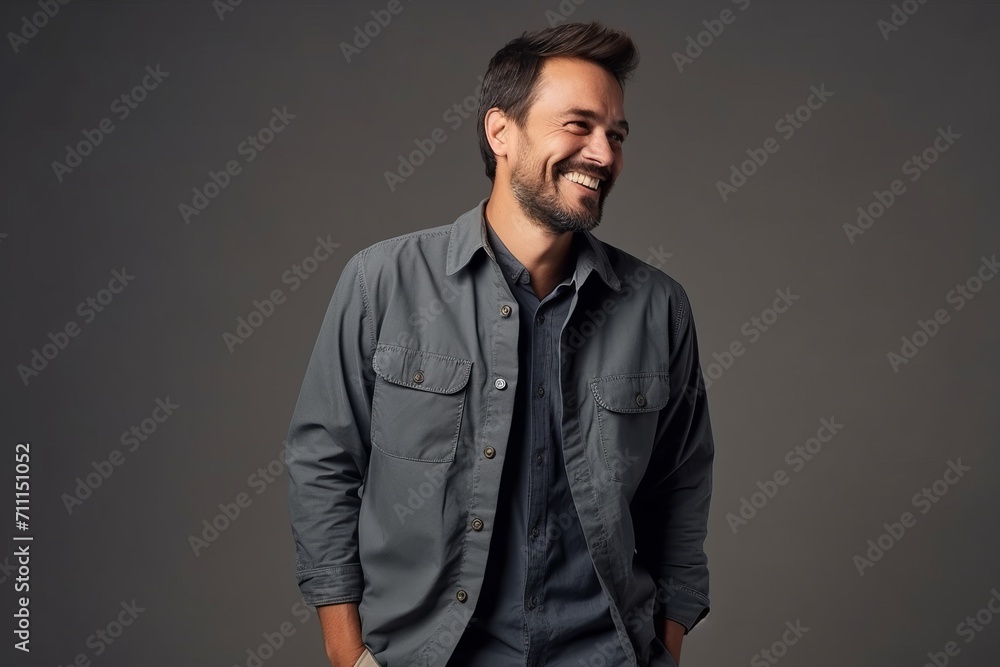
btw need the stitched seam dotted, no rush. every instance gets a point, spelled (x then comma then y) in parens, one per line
(410, 458)
(347, 569)
(650, 408)
(679, 316)
(604, 446)
(409, 236)
(407, 350)
(365, 298)
(697, 594)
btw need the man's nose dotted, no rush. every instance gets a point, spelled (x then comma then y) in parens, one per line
(598, 151)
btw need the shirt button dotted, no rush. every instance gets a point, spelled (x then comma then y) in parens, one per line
(538, 459)
(477, 524)
(500, 383)
(534, 531)
(462, 596)
(640, 400)
(490, 452)
(541, 391)
(532, 602)
(505, 310)
(541, 319)
(418, 377)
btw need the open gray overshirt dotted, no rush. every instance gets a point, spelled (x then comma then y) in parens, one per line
(398, 438)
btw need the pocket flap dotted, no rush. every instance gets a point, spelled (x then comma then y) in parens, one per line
(632, 392)
(426, 371)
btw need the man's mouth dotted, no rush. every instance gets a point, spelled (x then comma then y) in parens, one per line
(583, 180)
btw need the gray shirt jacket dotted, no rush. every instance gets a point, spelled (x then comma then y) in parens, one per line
(400, 433)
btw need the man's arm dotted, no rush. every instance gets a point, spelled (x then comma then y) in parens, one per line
(341, 627)
(673, 637)
(327, 457)
(670, 508)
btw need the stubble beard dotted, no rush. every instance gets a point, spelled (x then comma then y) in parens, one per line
(541, 202)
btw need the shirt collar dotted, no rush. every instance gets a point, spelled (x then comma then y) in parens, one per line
(469, 234)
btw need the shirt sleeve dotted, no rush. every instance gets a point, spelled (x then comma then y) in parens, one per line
(328, 447)
(671, 505)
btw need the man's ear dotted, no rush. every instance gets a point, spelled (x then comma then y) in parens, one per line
(498, 131)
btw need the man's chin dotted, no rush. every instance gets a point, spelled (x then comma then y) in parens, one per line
(589, 206)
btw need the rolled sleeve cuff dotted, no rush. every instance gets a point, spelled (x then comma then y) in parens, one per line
(686, 606)
(331, 585)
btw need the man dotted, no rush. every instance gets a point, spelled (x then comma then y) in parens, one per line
(501, 453)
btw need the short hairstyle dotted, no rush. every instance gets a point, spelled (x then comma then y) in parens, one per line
(512, 75)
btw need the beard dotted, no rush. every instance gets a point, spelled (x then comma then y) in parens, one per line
(542, 202)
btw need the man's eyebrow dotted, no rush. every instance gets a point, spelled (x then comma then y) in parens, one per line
(591, 115)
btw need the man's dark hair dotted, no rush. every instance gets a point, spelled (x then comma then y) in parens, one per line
(511, 78)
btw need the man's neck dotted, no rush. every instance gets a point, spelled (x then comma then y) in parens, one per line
(545, 254)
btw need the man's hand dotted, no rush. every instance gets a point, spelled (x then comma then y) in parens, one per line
(674, 635)
(341, 627)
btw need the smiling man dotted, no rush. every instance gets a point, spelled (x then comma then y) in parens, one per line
(469, 486)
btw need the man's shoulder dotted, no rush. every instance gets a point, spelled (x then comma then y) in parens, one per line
(398, 252)
(635, 270)
(426, 239)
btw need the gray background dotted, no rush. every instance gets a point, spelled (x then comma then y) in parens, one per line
(324, 175)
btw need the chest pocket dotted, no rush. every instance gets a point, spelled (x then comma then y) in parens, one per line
(418, 402)
(628, 407)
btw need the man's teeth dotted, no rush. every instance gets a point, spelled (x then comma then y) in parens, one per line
(582, 179)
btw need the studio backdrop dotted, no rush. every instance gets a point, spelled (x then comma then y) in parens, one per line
(183, 183)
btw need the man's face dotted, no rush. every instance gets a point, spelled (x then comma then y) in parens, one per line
(573, 131)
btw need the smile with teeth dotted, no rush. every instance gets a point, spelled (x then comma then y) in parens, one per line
(588, 182)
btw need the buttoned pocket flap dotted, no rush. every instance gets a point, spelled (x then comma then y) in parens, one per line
(632, 392)
(416, 369)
